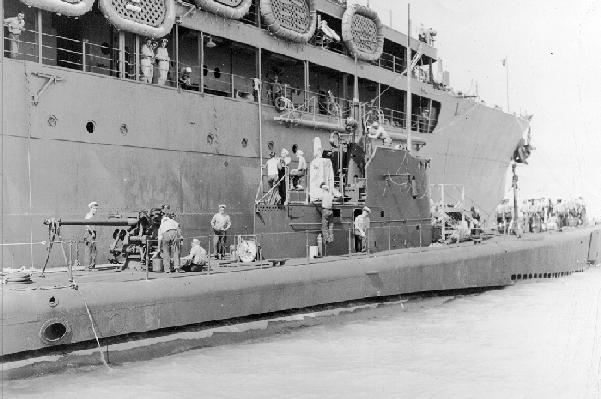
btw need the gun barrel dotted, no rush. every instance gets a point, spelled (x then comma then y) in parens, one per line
(95, 222)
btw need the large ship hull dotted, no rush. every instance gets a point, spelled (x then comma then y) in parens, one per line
(155, 145)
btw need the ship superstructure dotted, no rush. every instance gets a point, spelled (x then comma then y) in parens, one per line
(83, 122)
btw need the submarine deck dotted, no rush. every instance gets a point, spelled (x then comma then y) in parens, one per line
(107, 273)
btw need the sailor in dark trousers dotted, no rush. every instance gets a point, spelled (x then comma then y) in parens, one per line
(327, 215)
(90, 237)
(169, 238)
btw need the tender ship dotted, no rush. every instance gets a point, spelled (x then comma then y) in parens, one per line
(98, 107)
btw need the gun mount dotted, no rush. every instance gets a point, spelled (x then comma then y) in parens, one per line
(135, 238)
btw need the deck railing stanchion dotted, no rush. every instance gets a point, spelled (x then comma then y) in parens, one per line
(210, 255)
(349, 239)
(307, 245)
(147, 257)
(84, 63)
(40, 39)
(389, 238)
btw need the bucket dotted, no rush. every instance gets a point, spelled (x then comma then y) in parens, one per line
(157, 265)
(313, 251)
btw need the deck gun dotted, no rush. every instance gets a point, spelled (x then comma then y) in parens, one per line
(135, 236)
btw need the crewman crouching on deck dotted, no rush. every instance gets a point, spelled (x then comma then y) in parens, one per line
(196, 260)
(360, 230)
(90, 237)
(169, 236)
(220, 223)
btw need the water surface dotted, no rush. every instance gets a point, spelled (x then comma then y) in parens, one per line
(533, 340)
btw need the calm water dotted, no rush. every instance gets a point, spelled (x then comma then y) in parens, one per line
(533, 340)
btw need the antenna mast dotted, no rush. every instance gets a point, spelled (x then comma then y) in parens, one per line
(409, 68)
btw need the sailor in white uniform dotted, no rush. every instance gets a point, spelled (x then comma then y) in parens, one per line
(164, 59)
(147, 60)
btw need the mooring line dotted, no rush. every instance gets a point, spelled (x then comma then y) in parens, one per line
(94, 331)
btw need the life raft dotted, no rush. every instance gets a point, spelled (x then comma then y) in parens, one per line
(219, 8)
(348, 27)
(69, 9)
(164, 19)
(278, 28)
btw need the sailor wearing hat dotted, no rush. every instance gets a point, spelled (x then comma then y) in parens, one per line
(220, 223)
(197, 258)
(169, 236)
(360, 230)
(299, 171)
(185, 81)
(16, 25)
(147, 60)
(163, 59)
(90, 237)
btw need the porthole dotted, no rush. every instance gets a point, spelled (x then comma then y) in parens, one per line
(91, 126)
(52, 121)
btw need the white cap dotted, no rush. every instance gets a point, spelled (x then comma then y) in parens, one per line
(195, 241)
(300, 152)
(93, 204)
(366, 209)
(222, 206)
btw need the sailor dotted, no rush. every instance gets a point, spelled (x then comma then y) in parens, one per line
(220, 223)
(276, 89)
(15, 25)
(163, 60)
(90, 237)
(272, 169)
(256, 89)
(283, 164)
(169, 237)
(196, 259)
(299, 171)
(147, 60)
(184, 80)
(327, 216)
(360, 230)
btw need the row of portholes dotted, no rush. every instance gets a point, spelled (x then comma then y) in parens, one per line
(91, 128)
(527, 276)
(90, 125)
(211, 140)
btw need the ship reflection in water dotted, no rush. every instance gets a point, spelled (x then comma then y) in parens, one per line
(533, 340)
